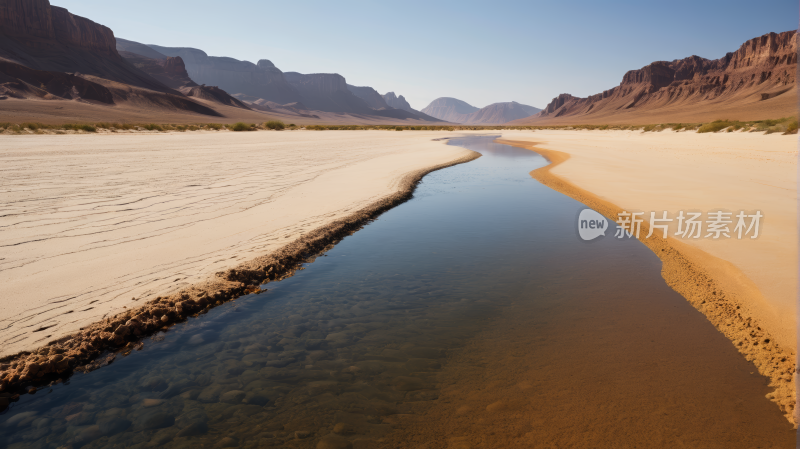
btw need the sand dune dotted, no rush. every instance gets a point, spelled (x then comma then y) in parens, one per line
(90, 222)
(754, 282)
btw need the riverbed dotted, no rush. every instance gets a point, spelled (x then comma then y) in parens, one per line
(471, 316)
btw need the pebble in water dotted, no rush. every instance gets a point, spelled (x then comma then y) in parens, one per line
(304, 372)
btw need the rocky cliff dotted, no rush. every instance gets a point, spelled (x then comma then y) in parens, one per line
(397, 102)
(262, 80)
(36, 21)
(80, 32)
(326, 92)
(124, 45)
(169, 71)
(43, 37)
(25, 18)
(762, 69)
(370, 96)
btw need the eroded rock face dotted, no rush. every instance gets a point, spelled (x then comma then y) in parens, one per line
(327, 92)
(262, 80)
(370, 96)
(169, 71)
(397, 102)
(764, 66)
(83, 33)
(39, 36)
(27, 18)
(38, 19)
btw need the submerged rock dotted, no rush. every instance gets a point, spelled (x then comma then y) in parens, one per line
(232, 397)
(227, 442)
(334, 442)
(156, 420)
(194, 429)
(113, 425)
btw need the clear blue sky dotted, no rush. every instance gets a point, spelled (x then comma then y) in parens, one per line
(480, 52)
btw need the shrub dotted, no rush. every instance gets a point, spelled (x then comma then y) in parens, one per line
(791, 128)
(88, 128)
(275, 124)
(241, 126)
(214, 126)
(153, 127)
(715, 126)
(399, 128)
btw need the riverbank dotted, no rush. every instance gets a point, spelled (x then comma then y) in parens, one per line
(746, 288)
(146, 227)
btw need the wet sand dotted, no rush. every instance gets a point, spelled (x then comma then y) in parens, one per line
(747, 288)
(95, 225)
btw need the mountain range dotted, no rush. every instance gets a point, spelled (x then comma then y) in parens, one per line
(266, 87)
(457, 111)
(48, 55)
(56, 66)
(756, 81)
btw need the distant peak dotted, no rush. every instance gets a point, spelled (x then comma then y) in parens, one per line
(265, 64)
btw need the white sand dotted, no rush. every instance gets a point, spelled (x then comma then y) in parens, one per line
(669, 171)
(89, 222)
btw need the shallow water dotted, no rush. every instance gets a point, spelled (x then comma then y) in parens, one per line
(480, 274)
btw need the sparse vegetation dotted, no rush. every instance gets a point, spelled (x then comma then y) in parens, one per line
(275, 124)
(241, 126)
(717, 125)
(786, 125)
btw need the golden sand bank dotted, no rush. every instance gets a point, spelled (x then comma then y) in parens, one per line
(746, 287)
